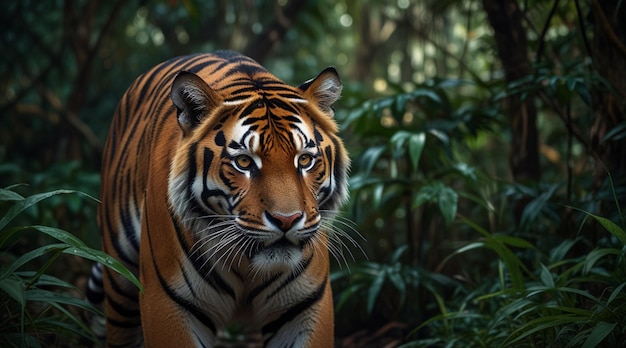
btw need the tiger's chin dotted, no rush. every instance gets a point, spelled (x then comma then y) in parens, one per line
(277, 257)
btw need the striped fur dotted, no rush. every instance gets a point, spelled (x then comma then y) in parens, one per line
(218, 185)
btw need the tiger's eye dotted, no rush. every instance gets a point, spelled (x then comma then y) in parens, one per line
(305, 161)
(243, 161)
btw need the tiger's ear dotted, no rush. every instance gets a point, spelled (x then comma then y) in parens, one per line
(324, 89)
(193, 99)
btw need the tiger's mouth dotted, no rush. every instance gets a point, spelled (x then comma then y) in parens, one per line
(282, 248)
(286, 243)
(282, 244)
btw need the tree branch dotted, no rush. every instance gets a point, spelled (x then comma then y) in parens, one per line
(608, 30)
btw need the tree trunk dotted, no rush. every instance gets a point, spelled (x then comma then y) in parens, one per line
(506, 19)
(609, 57)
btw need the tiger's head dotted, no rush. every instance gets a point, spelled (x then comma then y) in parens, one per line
(259, 168)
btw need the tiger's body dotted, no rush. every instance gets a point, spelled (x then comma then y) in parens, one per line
(218, 183)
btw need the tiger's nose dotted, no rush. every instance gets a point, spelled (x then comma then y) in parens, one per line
(284, 222)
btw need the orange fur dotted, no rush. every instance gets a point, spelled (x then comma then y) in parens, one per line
(216, 180)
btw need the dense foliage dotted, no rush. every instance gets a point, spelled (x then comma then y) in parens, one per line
(488, 156)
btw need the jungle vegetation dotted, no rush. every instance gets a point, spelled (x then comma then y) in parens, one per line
(488, 146)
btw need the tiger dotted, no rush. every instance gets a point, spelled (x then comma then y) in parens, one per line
(219, 187)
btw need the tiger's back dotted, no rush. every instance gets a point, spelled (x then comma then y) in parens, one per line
(218, 184)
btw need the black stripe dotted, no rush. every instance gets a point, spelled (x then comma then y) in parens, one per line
(220, 139)
(282, 105)
(191, 169)
(122, 309)
(187, 281)
(131, 296)
(127, 223)
(179, 300)
(299, 270)
(94, 297)
(256, 291)
(121, 256)
(294, 311)
(199, 340)
(213, 278)
(250, 69)
(337, 162)
(292, 119)
(325, 192)
(250, 120)
(250, 108)
(123, 324)
(209, 156)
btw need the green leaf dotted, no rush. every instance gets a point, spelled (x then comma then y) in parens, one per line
(21, 205)
(59, 300)
(51, 297)
(43, 279)
(465, 170)
(538, 205)
(427, 93)
(55, 326)
(596, 254)
(615, 293)
(546, 277)
(347, 294)
(397, 142)
(106, 260)
(370, 158)
(425, 194)
(558, 253)
(397, 280)
(377, 195)
(599, 333)
(397, 254)
(58, 234)
(541, 324)
(20, 339)
(609, 225)
(443, 137)
(448, 199)
(72, 245)
(31, 255)
(612, 227)
(513, 263)
(16, 289)
(616, 133)
(470, 246)
(514, 241)
(8, 195)
(416, 146)
(374, 290)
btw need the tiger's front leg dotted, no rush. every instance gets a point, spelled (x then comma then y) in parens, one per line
(178, 308)
(166, 322)
(313, 328)
(298, 312)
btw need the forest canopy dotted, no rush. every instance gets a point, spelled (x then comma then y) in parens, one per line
(487, 141)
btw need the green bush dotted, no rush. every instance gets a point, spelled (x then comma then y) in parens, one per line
(565, 299)
(37, 308)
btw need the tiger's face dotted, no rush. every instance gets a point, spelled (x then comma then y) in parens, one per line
(254, 177)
